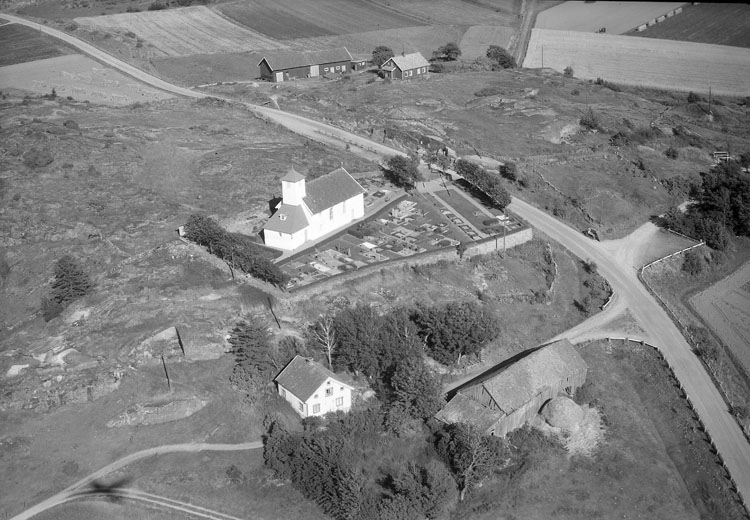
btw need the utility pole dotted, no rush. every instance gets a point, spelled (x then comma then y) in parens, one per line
(542, 56)
(709, 99)
(505, 232)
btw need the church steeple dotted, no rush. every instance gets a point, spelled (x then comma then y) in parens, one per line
(293, 187)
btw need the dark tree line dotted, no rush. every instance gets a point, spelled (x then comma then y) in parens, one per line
(236, 250)
(722, 209)
(487, 182)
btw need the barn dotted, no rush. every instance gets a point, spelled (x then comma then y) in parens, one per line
(280, 66)
(507, 399)
(405, 66)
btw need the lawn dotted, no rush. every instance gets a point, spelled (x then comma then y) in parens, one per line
(720, 24)
(21, 44)
(290, 19)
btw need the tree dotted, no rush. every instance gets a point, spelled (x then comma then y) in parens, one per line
(250, 342)
(402, 171)
(381, 54)
(356, 330)
(498, 194)
(501, 57)
(470, 455)
(426, 490)
(509, 170)
(568, 72)
(325, 334)
(416, 388)
(692, 97)
(692, 263)
(449, 51)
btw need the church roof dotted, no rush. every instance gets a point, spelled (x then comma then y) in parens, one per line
(287, 219)
(331, 189)
(292, 176)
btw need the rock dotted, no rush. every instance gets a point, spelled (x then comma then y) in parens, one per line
(15, 370)
(563, 413)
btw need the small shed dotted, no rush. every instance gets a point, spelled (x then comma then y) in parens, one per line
(278, 66)
(507, 400)
(405, 66)
(360, 63)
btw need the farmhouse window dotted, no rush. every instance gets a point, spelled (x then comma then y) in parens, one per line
(325, 69)
(316, 408)
(339, 401)
(338, 67)
(329, 392)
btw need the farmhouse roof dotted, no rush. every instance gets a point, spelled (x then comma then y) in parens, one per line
(303, 376)
(331, 189)
(292, 176)
(466, 410)
(409, 61)
(521, 381)
(283, 60)
(287, 219)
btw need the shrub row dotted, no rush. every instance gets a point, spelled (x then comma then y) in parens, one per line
(490, 184)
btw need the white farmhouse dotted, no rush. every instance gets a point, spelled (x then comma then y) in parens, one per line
(309, 210)
(312, 389)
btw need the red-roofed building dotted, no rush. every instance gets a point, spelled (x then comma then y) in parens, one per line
(309, 210)
(405, 66)
(280, 66)
(312, 389)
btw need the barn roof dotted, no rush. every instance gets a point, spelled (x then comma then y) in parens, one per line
(409, 61)
(287, 219)
(521, 381)
(331, 189)
(283, 60)
(303, 376)
(466, 410)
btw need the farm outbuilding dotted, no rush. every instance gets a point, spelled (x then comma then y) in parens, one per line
(405, 66)
(360, 63)
(280, 66)
(507, 400)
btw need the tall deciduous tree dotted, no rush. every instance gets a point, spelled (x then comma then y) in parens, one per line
(450, 51)
(402, 171)
(324, 333)
(381, 54)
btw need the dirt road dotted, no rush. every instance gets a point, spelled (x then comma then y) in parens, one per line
(615, 265)
(78, 489)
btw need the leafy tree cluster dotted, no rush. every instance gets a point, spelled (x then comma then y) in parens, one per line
(71, 283)
(455, 329)
(590, 120)
(402, 171)
(387, 349)
(238, 251)
(722, 208)
(336, 466)
(501, 58)
(487, 182)
(448, 52)
(381, 54)
(257, 358)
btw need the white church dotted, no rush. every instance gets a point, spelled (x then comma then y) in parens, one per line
(309, 210)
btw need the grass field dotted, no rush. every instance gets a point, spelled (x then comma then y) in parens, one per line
(291, 19)
(21, 44)
(616, 17)
(478, 38)
(459, 12)
(185, 31)
(79, 77)
(663, 64)
(720, 24)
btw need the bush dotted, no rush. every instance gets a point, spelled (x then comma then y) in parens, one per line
(568, 72)
(590, 120)
(501, 57)
(437, 67)
(671, 152)
(693, 263)
(157, 6)
(692, 97)
(488, 91)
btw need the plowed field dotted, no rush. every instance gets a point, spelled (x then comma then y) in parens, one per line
(79, 77)
(19, 44)
(291, 19)
(616, 17)
(458, 12)
(182, 32)
(663, 64)
(722, 24)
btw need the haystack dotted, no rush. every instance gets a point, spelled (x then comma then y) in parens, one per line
(563, 413)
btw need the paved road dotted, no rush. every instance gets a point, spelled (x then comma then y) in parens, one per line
(77, 490)
(658, 328)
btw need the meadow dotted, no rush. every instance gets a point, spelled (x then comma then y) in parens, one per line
(21, 44)
(663, 64)
(182, 32)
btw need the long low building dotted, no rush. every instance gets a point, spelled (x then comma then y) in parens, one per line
(509, 399)
(278, 66)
